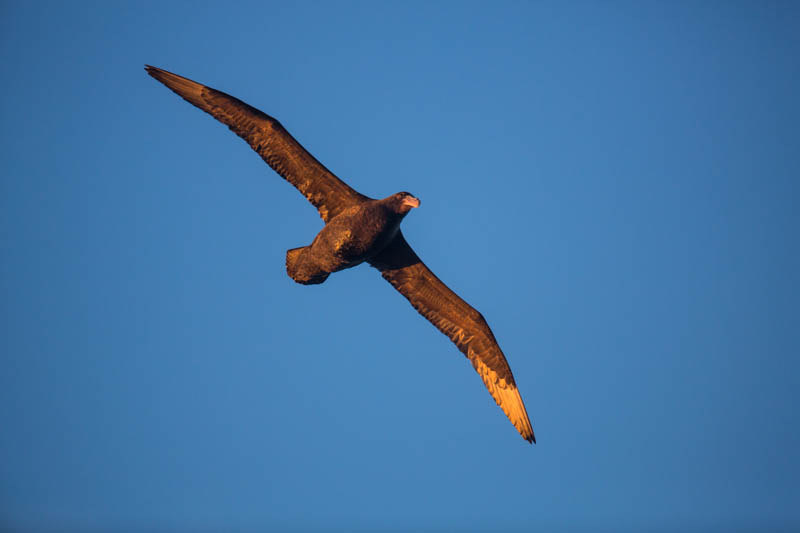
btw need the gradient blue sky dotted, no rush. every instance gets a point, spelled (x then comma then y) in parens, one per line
(614, 186)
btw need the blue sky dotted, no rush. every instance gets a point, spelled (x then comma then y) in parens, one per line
(613, 185)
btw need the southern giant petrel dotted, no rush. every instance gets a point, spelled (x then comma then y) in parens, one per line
(357, 229)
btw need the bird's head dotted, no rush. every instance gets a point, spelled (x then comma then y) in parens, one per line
(403, 202)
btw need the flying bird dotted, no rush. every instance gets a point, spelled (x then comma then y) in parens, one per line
(360, 229)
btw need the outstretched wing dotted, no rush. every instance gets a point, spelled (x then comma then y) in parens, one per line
(274, 144)
(455, 318)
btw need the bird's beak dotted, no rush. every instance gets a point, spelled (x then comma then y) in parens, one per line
(411, 201)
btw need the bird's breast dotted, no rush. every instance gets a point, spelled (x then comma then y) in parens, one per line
(354, 237)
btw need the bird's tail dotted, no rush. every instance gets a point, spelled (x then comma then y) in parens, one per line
(303, 270)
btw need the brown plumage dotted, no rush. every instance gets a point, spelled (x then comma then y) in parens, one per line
(359, 229)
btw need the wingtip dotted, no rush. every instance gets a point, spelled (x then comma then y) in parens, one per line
(153, 71)
(166, 77)
(530, 437)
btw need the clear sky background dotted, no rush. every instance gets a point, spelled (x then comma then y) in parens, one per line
(613, 185)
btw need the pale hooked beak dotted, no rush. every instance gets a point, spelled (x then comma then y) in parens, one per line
(411, 201)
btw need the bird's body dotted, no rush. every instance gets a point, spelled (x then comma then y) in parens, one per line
(355, 235)
(360, 229)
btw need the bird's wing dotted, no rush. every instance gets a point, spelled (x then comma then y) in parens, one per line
(269, 138)
(454, 317)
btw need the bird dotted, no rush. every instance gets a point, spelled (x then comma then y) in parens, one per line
(361, 229)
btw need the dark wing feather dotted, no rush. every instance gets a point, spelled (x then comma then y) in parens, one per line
(455, 318)
(274, 144)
